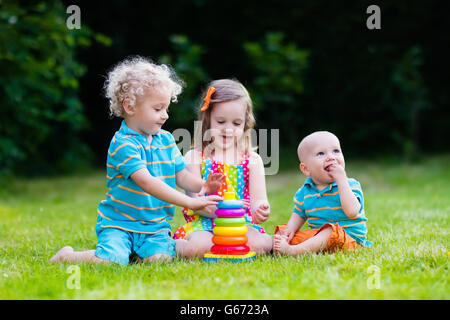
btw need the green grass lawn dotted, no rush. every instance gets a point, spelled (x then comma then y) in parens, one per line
(408, 207)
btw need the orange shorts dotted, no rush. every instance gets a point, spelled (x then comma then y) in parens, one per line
(339, 239)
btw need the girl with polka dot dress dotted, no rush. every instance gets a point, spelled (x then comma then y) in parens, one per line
(223, 145)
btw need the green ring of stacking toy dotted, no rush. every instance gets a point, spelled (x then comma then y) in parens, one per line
(229, 222)
(230, 204)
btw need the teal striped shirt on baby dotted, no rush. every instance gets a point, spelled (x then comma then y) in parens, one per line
(127, 206)
(321, 207)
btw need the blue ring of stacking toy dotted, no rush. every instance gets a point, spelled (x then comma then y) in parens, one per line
(230, 204)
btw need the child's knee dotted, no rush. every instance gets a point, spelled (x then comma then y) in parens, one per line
(198, 249)
(327, 231)
(261, 244)
(158, 257)
(192, 248)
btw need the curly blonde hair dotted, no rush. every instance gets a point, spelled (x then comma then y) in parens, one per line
(129, 79)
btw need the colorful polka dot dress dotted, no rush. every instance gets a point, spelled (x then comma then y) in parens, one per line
(236, 180)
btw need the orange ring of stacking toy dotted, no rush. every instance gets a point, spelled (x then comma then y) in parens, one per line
(239, 250)
(230, 231)
(230, 240)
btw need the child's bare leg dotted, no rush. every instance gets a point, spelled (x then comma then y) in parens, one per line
(195, 245)
(314, 244)
(158, 257)
(260, 243)
(67, 254)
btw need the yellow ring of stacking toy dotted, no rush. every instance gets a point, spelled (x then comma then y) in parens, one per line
(230, 231)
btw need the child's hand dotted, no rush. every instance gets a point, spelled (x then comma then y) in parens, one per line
(212, 183)
(261, 213)
(202, 202)
(337, 172)
(287, 235)
(246, 203)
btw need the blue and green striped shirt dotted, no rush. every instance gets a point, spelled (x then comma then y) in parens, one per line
(127, 206)
(321, 207)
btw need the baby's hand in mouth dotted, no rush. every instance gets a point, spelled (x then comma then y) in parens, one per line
(336, 171)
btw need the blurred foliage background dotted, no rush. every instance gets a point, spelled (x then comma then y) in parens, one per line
(309, 65)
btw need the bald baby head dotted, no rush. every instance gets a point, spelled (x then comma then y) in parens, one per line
(308, 143)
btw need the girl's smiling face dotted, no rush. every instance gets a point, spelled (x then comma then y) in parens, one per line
(227, 123)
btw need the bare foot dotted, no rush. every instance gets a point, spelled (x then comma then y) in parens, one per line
(281, 246)
(62, 255)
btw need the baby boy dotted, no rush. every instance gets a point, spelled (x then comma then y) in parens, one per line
(331, 204)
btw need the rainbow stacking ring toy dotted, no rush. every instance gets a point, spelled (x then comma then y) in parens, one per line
(230, 240)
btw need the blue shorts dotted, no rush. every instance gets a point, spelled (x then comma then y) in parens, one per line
(118, 245)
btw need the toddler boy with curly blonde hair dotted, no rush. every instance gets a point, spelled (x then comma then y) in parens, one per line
(144, 165)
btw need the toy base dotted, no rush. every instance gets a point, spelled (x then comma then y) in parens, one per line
(210, 257)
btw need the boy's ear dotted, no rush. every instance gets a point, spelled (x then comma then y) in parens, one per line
(304, 169)
(129, 110)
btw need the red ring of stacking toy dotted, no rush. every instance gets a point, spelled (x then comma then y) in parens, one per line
(230, 240)
(230, 250)
(230, 213)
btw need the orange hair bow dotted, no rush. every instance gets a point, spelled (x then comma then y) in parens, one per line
(207, 99)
